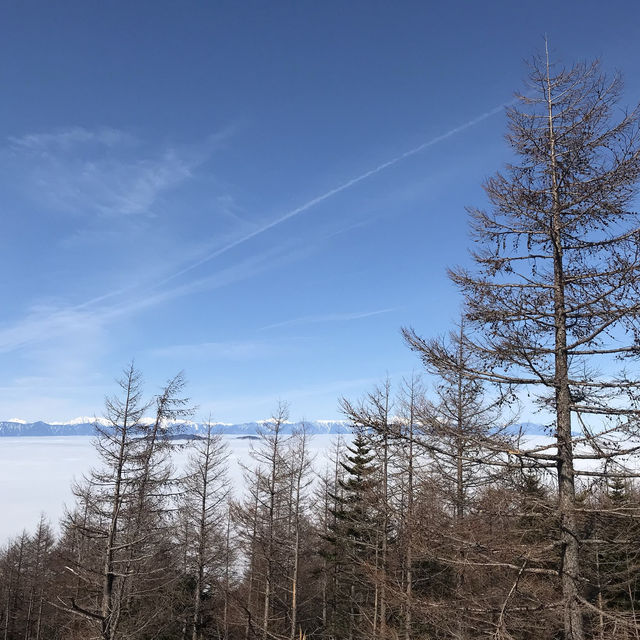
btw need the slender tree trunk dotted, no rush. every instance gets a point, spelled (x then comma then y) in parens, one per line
(460, 484)
(599, 587)
(294, 586)
(39, 619)
(23, 539)
(7, 610)
(27, 626)
(296, 522)
(460, 433)
(266, 603)
(197, 605)
(202, 542)
(252, 561)
(409, 521)
(325, 564)
(334, 520)
(227, 561)
(376, 587)
(352, 605)
(570, 562)
(385, 522)
(108, 567)
(271, 514)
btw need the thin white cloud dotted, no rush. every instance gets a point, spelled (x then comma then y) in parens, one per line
(326, 317)
(44, 323)
(310, 204)
(131, 186)
(104, 171)
(65, 139)
(80, 134)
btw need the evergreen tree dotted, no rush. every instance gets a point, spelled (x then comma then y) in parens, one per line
(352, 539)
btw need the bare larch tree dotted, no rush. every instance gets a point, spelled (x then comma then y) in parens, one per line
(204, 508)
(553, 299)
(121, 511)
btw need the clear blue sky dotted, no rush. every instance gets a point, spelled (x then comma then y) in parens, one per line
(220, 187)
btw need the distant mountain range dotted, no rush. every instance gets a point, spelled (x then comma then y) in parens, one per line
(85, 427)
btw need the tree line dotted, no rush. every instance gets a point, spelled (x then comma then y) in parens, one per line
(440, 517)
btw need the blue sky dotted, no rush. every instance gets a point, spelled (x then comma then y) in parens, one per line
(259, 193)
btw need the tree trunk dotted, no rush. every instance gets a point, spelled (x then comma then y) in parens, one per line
(570, 562)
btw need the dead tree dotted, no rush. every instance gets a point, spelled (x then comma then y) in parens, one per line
(300, 461)
(39, 579)
(120, 513)
(204, 509)
(264, 522)
(410, 400)
(13, 570)
(553, 299)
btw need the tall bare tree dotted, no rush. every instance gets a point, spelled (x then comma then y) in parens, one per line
(461, 429)
(554, 295)
(41, 544)
(410, 401)
(121, 507)
(264, 517)
(13, 570)
(300, 461)
(206, 491)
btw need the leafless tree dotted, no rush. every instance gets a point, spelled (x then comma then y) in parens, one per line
(204, 509)
(121, 509)
(266, 515)
(300, 461)
(554, 296)
(410, 401)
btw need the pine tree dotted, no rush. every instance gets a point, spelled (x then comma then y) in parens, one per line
(352, 539)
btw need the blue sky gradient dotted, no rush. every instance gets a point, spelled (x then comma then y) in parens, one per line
(258, 193)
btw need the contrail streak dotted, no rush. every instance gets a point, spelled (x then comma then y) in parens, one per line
(297, 211)
(336, 190)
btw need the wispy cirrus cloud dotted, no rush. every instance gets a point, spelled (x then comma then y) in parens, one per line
(62, 344)
(47, 322)
(104, 172)
(340, 188)
(109, 183)
(326, 317)
(108, 172)
(65, 139)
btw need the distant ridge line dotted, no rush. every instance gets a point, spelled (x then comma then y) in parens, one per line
(19, 428)
(77, 427)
